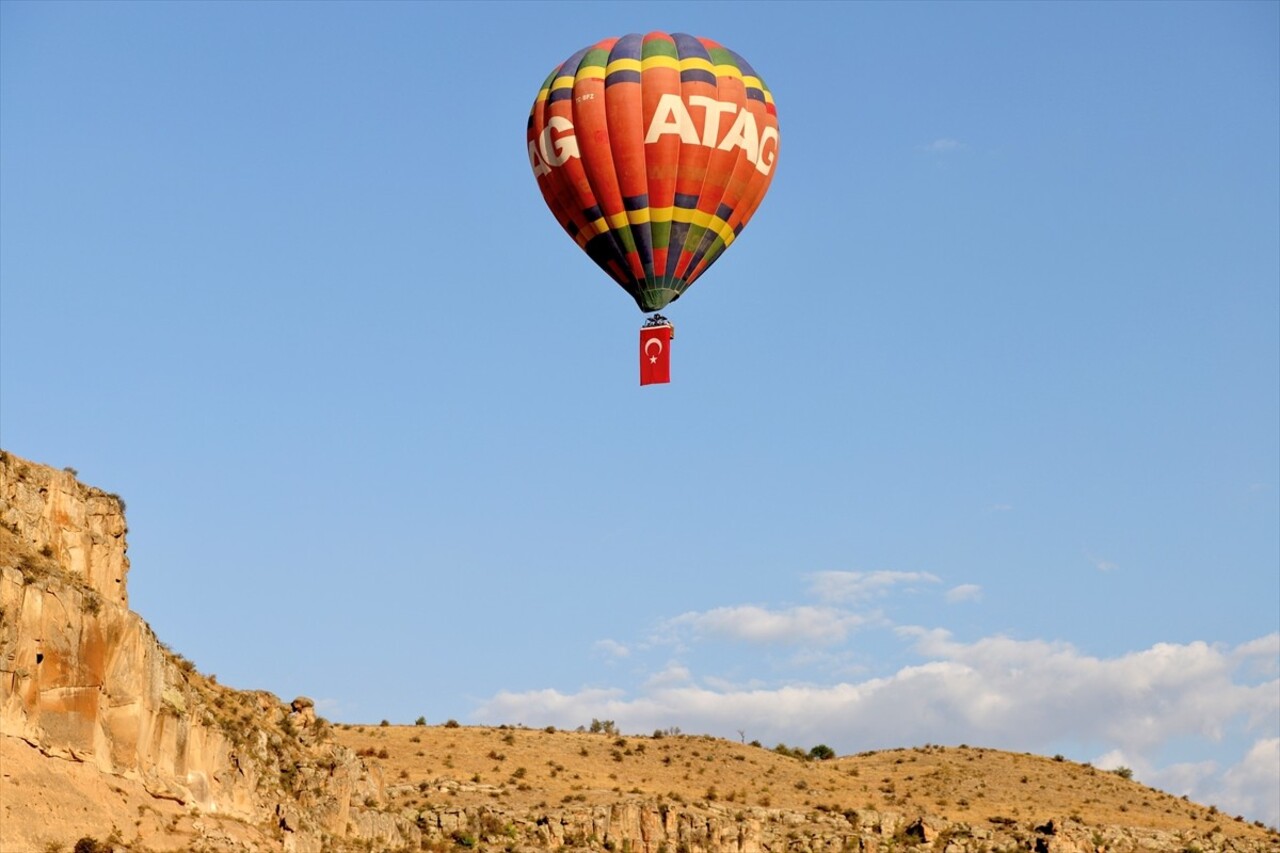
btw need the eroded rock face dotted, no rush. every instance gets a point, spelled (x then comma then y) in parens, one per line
(80, 527)
(84, 679)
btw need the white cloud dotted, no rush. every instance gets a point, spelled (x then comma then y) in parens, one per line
(852, 587)
(1252, 786)
(749, 623)
(1024, 695)
(942, 145)
(1261, 656)
(674, 674)
(1103, 565)
(964, 592)
(612, 649)
(1112, 760)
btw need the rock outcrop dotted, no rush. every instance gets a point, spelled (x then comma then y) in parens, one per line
(85, 680)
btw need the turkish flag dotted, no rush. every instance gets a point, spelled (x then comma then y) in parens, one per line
(655, 354)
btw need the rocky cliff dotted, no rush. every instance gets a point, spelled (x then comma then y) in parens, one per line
(86, 685)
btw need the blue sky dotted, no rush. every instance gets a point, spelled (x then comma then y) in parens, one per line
(972, 436)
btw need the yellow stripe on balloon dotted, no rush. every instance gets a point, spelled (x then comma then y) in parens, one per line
(660, 61)
(728, 71)
(702, 219)
(697, 63)
(623, 65)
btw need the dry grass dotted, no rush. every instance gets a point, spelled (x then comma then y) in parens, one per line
(531, 769)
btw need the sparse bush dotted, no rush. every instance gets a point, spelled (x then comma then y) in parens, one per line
(421, 721)
(451, 724)
(1123, 772)
(792, 751)
(385, 723)
(607, 727)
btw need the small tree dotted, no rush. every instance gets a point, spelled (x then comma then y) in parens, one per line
(421, 721)
(822, 752)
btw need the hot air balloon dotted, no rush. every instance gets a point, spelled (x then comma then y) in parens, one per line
(653, 152)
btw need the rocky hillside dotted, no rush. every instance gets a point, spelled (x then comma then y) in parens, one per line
(563, 789)
(110, 741)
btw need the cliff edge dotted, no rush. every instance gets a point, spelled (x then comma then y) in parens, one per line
(105, 731)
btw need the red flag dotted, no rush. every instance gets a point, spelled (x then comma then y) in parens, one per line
(655, 354)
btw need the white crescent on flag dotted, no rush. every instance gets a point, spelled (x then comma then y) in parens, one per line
(657, 341)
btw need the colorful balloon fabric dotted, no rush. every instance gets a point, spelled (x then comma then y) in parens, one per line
(653, 152)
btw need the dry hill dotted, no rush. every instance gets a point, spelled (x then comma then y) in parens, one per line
(110, 741)
(944, 798)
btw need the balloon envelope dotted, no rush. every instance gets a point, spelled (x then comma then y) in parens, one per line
(653, 152)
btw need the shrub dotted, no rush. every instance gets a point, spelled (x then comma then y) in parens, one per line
(792, 751)
(451, 724)
(421, 721)
(1123, 772)
(603, 727)
(822, 752)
